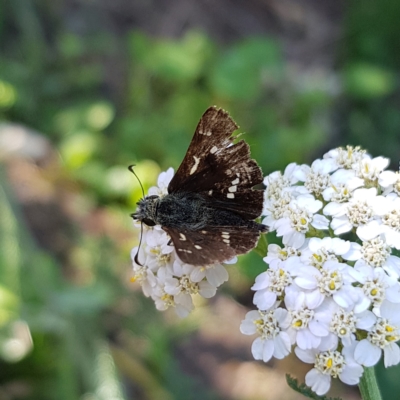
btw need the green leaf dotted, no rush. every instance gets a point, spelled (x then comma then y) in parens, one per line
(367, 81)
(305, 390)
(262, 246)
(240, 72)
(172, 60)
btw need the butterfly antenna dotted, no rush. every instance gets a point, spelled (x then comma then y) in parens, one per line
(134, 173)
(140, 243)
(133, 216)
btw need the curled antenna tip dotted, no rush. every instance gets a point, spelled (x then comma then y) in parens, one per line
(134, 173)
(140, 243)
(137, 260)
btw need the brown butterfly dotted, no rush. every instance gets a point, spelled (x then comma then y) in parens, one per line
(210, 207)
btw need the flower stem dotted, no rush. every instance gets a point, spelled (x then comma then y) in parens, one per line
(369, 386)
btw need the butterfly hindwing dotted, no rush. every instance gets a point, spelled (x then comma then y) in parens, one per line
(212, 244)
(219, 169)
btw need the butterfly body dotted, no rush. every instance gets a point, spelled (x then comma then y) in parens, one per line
(210, 206)
(189, 211)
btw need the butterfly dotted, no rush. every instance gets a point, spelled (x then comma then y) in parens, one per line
(211, 205)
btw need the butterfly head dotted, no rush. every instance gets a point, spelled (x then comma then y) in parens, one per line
(147, 210)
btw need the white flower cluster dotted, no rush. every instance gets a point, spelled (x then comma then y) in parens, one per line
(163, 276)
(335, 300)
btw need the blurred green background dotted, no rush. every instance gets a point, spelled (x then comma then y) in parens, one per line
(90, 87)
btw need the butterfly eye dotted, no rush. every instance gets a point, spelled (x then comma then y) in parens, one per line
(148, 222)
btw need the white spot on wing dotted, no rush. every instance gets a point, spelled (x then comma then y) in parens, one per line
(227, 241)
(185, 251)
(197, 247)
(233, 188)
(182, 237)
(208, 133)
(214, 149)
(225, 235)
(230, 196)
(196, 164)
(235, 182)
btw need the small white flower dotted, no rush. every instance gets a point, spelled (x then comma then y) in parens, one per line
(382, 336)
(321, 250)
(337, 323)
(276, 254)
(163, 181)
(298, 218)
(162, 299)
(390, 181)
(346, 158)
(330, 364)
(376, 253)
(345, 323)
(275, 209)
(332, 280)
(182, 284)
(390, 210)
(215, 274)
(276, 183)
(370, 169)
(317, 177)
(357, 212)
(159, 252)
(376, 286)
(273, 341)
(390, 218)
(143, 274)
(271, 284)
(304, 329)
(342, 184)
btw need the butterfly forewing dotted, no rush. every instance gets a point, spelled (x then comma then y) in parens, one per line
(213, 132)
(219, 169)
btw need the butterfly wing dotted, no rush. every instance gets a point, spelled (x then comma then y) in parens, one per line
(212, 244)
(219, 169)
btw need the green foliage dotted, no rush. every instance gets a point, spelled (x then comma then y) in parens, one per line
(247, 69)
(365, 81)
